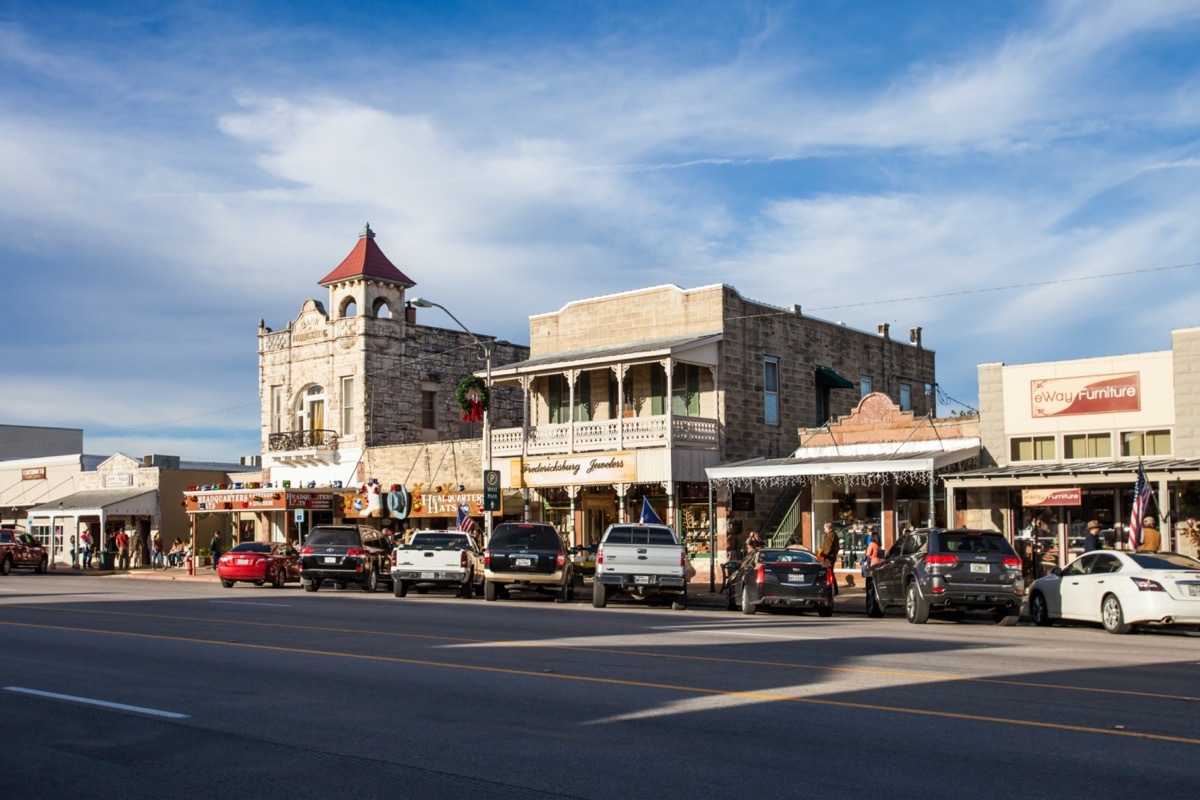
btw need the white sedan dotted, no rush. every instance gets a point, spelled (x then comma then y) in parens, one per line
(1120, 590)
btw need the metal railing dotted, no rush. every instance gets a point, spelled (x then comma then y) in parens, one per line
(316, 439)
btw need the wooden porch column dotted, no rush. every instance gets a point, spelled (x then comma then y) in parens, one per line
(887, 531)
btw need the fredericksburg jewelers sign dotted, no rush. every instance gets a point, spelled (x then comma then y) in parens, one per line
(1090, 394)
(574, 470)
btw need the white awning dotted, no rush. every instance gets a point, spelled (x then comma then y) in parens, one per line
(110, 502)
(917, 460)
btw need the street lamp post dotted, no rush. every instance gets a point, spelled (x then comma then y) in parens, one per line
(486, 347)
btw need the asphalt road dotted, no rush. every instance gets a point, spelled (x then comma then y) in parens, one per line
(278, 693)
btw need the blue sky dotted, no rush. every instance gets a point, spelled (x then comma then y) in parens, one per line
(170, 173)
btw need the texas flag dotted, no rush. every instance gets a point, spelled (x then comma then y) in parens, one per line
(648, 515)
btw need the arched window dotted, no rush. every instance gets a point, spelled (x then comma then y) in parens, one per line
(381, 310)
(349, 308)
(310, 410)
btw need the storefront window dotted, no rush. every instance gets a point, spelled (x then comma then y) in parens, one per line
(1032, 448)
(1087, 445)
(1146, 443)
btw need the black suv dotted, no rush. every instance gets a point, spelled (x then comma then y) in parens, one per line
(527, 556)
(948, 572)
(343, 554)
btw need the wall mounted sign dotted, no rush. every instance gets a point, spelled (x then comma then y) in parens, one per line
(33, 474)
(1051, 497)
(574, 470)
(1089, 394)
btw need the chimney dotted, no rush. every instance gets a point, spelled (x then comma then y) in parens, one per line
(914, 336)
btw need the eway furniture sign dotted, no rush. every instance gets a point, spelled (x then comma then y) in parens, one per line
(1089, 394)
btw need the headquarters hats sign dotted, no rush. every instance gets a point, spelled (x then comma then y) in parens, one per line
(1089, 394)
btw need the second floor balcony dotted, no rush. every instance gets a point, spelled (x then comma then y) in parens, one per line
(310, 446)
(610, 434)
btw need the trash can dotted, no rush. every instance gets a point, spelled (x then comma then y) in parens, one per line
(107, 560)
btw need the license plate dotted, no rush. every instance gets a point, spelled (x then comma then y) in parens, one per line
(797, 579)
(1194, 591)
(243, 561)
(523, 562)
(429, 576)
(641, 579)
(331, 559)
(979, 568)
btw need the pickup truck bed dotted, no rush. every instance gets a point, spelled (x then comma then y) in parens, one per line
(641, 561)
(437, 559)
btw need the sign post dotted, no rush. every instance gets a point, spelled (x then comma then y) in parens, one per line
(491, 490)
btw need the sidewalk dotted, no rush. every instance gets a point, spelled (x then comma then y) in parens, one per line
(207, 574)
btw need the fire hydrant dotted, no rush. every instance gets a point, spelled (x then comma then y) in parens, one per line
(188, 563)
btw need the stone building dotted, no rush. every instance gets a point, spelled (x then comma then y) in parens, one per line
(633, 395)
(1062, 441)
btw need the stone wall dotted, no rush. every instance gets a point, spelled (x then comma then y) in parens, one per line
(1185, 350)
(993, 440)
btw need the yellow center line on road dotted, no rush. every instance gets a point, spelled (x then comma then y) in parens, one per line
(930, 676)
(699, 690)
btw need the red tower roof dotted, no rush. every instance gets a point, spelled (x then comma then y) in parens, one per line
(366, 260)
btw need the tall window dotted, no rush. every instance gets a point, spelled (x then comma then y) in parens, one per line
(905, 397)
(770, 390)
(310, 410)
(278, 414)
(429, 409)
(1087, 445)
(685, 391)
(583, 397)
(559, 397)
(348, 402)
(658, 389)
(866, 385)
(1146, 443)
(1032, 448)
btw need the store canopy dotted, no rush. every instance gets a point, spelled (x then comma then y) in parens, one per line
(877, 461)
(696, 349)
(830, 379)
(120, 502)
(1082, 472)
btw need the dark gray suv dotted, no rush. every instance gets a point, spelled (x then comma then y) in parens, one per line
(948, 572)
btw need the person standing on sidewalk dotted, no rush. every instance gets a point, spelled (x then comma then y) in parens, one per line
(830, 546)
(122, 549)
(214, 548)
(85, 547)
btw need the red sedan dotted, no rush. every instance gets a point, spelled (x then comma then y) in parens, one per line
(259, 563)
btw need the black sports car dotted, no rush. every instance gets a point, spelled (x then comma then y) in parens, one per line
(791, 577)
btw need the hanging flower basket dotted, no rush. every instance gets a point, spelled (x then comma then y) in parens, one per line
(472, 396)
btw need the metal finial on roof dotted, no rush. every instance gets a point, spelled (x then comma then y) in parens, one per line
(366, 232)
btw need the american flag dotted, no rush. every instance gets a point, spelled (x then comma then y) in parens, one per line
(465, 523)
(1141, 503)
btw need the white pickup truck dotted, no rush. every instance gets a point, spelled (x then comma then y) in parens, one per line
(437, 559)
(641, 561)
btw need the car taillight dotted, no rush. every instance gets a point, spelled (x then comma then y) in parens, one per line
(462, 559)
(683, 558)
(356, 551)
(599, 556)
(940, 559)
(1147, 585)
(829, 579)
(487, 558)
(760, 574)
(1012, 563)
(306, 551)
(393, 558)
(560, 560)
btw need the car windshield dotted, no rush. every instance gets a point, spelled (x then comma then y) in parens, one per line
(1164, 561)
(640, 534)
(431, 541)
(252, 547)
(534, 538)
(952, 542)
(789, 557)
(333, 536)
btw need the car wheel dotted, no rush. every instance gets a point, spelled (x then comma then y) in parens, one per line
(747, 606)
(259, 583)
(679, 601)
(370, 581)
(340, 585)
(563, 593)
(280, 578)
(599, 594)
(874, 607)
(41, 567)
(6, 565)
(228, 584)
(1039, 610)
(1113, 615)
(824, 611)
(399, 587)
(1007, 617)
(468, 588)
(311, 586)
(915, 607)
(489, 591)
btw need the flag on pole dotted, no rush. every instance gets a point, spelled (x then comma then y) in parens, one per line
(648, 515)
(1141, 504)
(465, 523)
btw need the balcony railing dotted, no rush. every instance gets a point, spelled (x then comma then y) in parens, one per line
(316, 439)
(609, 434)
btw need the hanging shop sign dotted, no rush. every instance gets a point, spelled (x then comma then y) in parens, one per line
(1051, 497)
(1089, 394)
(259, 499)
(574, 470)
(432, 503)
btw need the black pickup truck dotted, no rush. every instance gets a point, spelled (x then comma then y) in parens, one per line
(343, 554)
(527, 556)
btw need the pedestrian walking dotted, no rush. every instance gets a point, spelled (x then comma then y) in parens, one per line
(1091, 537)
(1151, 538)
(828, 553)
(122, 549)
(214, 548)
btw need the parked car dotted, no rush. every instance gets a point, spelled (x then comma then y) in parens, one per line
(440, 560)
(344, 554)
(527, 556)
(1120, 590)
(20, 549)
(275, 563)
(641, 561)
(947, 572)
(792, 577)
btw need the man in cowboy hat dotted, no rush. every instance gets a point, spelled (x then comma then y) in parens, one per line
(1091, 539)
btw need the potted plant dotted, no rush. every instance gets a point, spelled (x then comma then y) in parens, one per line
(202, 556)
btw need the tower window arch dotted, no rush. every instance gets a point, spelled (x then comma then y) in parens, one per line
(349, 308)
(381, 309)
